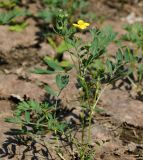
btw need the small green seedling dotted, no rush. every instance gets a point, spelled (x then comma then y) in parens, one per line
(135, 36)
(10, 16)
(18, 27)
(9, 3)
(36, 118)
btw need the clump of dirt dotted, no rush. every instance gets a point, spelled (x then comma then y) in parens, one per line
(25, 57)
(131, 134)
(115, 9)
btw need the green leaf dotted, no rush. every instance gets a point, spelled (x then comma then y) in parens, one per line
(9, 3)
(109, 66)
(98, 110)
(47, 15)
(128, 55)
(64, 46)
(134, 34)
(61, 127)
(40, 120)
(7, 17)
(53, 64)
(35, 106)
(52, 42)
(27, 116)
(13, 120)
(101, 39)
(98, 64)
(140, 72)
(42, 71)
(18, 27)
(50, 91)
(119, 56)
(62, 81)
(66, 65)
(88, 61)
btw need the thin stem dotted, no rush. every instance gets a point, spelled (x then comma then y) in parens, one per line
(89, 127)
(74, 63)
(60, 155)
(132, 82)
(95, 104)
(83, 127)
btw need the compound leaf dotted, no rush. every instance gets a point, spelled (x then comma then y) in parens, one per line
(62, 81)
(51, 91)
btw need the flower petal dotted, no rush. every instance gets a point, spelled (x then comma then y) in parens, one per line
(86, 24)
(80, 22)
(76, 25)
(82, 27)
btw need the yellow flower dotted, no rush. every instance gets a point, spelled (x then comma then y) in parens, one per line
(81, 24)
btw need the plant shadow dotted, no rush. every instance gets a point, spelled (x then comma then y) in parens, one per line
(26, 146)
(17, 145)
(126, 85)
